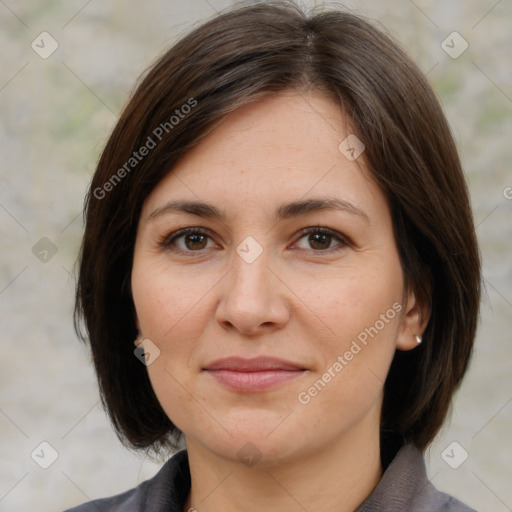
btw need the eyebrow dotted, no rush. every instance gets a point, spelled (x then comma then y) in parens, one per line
(285, 211)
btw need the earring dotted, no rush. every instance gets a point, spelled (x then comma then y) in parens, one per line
(418, 339)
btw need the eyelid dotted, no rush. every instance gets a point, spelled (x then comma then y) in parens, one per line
(168, 239)
(345, 241)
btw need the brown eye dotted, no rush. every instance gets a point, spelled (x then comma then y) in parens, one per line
(320, 239)
(186, 240)
(195, 241)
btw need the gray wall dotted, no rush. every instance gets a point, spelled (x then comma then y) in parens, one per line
(55, 116)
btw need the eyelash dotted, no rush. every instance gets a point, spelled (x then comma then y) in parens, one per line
(168, 240)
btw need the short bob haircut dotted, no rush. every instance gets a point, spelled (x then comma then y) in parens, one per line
(241, 56)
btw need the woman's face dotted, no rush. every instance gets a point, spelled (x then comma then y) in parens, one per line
(256, 281)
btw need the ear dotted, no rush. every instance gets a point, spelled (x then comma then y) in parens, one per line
(413, 323)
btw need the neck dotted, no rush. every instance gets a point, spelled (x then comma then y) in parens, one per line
(336, 478)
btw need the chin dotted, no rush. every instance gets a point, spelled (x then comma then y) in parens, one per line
(257, 439)
(251, 450)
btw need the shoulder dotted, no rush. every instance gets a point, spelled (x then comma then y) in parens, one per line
(453, 505)
(431, 499)
(427, 497)
(436, 501)
(404, 487)
(165, 491)
(119, 503)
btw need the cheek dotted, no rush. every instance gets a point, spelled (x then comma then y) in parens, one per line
(363, 312)
(170, 305)
(172, 315)
(355, 360)
(173, 310)
(357, 301)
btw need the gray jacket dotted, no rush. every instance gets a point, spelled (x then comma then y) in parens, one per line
(404, 487)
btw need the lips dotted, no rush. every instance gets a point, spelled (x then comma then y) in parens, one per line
(253, 375)
(257, 364)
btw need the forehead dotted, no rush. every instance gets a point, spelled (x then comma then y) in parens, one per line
(281, 148)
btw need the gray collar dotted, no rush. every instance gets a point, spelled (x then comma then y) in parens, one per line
(404, 487)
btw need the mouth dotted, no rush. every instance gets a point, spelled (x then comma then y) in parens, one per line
(253, 375)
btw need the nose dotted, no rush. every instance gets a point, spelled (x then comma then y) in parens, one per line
(253, 298)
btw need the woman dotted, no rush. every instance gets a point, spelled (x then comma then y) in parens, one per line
(280, 223)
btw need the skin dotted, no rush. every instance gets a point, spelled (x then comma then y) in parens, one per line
(300, 300)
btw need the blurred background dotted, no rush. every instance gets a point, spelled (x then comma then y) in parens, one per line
(68, 68)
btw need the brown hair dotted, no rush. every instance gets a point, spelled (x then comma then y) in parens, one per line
(237, 57)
